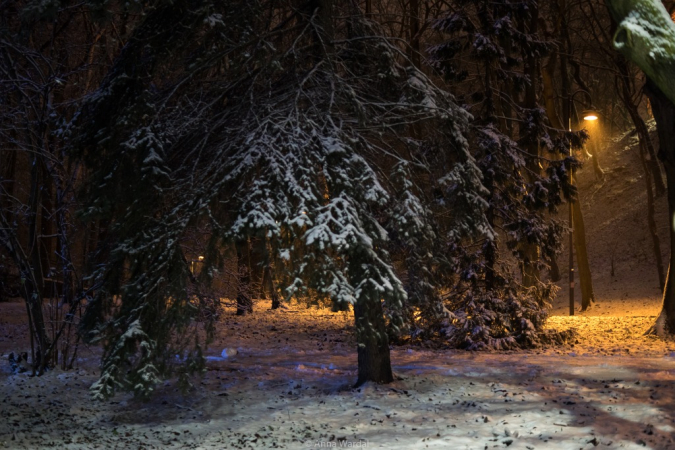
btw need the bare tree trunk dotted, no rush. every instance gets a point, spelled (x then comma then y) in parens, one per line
(326, 34)
(530, 268)
(271, 287)
(650, 165)
(566, 88)
(490, 245)
(45, 239)
(267, 286)
(664, 113)
(257, 262)
(651, 222)
(415, 33)
(34, 281)
(530, 251)
(263, 283)
(643, 135)
(244, 300)
(548, 92)
(593, 149)
(599, 173)
(652, 160)
(585, 280)
(8, 180)
(554, 271)
(414, 52)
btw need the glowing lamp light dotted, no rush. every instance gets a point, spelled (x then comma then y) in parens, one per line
(590, 115)
(201, 258)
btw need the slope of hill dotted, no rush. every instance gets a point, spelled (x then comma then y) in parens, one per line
(617, 235)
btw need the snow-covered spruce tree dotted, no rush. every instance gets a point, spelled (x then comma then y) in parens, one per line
(143, 313)
(414, 236)
(274, 128)
(489, 54)
(438, 204)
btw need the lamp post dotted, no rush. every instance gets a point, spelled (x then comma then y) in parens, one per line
(588, 115)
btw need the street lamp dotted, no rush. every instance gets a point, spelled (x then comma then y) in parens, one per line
(588, 115)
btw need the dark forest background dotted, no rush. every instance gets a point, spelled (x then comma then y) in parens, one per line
(410, 158)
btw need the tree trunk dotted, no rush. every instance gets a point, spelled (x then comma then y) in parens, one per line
(8, 180)
(269, 281)
(244, 300)
(263, 284)
(643, 135)
(549, 91)
(651, 222)
(530, 251)
(649, 163)
(415, 53)
(566, 88)
(664, 113)
(257, 262)
(599, 173)
(554, 271)
(45, 240)
(651, 159)
(530, 264)
(267, 287)
(326, 33)
(373, 343)
(593, 149)
(33, 277)
(27, 262)
(585, 279)
(490, 247)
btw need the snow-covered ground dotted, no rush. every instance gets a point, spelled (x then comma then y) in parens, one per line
(288, 385)
(285, 378)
